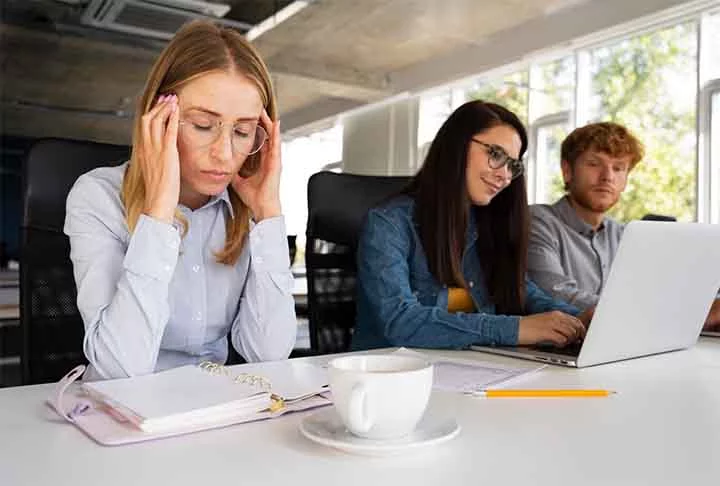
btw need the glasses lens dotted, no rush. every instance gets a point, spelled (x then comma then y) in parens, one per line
(258, 140)
(199, 131)
(517, 167)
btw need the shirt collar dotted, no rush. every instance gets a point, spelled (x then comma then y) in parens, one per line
(570, 217)
(222, 198)
(225, 198)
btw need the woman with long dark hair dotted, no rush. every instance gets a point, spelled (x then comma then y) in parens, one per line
(444, 264)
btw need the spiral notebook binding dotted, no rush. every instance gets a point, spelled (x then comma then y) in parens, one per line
(246, 378)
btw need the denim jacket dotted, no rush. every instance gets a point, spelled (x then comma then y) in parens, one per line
(400, 303)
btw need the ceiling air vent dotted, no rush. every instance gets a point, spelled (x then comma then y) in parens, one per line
(159, 19)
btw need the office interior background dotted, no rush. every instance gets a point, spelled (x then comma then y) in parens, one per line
(363, 87)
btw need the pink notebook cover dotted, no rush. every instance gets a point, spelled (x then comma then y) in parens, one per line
(106, 427)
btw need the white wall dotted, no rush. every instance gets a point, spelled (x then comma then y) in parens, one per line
(381, 140)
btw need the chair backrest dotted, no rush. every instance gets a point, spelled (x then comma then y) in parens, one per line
(52, 329)
(658, 217)
(337, 205)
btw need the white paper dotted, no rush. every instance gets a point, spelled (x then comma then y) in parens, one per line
(468, 376)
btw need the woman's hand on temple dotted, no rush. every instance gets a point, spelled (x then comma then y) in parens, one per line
(159, 160)
(261, 191)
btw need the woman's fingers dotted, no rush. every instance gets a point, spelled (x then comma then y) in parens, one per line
(558, 338)
(147, 122)
(158, 123)
(569, 326)
(172, 125)
(271, 150)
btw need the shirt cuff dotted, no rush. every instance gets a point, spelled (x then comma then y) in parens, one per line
(268, 245)
(503, 331)
(153, 250)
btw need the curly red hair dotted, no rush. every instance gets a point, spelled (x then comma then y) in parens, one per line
(608, 137)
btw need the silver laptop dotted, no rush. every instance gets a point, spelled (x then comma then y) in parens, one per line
(657, 295)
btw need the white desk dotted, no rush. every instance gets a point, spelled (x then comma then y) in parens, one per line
(662, 428)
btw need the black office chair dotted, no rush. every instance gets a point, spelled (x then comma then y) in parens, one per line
(52, 329)
(337, 205)
(658, 217)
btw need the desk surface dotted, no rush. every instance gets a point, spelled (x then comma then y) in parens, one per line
(663, 427)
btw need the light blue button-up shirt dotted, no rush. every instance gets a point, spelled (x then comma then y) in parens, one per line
(153, 300)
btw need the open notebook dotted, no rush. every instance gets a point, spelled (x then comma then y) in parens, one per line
(188, 399)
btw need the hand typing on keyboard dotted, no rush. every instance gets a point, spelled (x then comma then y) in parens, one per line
(556, 327)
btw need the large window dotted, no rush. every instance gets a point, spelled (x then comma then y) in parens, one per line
(649, 84)
(714, 173)
(434, 110)
(652, 82)
(302, 157)
(511, 91)
(709, 120)
(552, 88)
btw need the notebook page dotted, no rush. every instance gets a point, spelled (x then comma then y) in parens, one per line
(289, 379)
(172, 392)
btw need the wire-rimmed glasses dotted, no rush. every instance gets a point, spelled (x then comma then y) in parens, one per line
(246, 137)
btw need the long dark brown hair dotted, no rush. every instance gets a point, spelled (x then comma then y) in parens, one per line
(443, 206)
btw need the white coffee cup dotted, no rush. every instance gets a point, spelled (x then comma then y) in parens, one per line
(380, 396)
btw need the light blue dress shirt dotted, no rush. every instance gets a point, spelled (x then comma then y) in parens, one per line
(154, 299)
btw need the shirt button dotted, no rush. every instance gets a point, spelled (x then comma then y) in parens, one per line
(258, 259)
(168, 268)
(196, 268)
(198, 316)
(471, 283)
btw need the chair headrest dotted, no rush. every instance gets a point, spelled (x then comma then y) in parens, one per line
(51, 168)
(338, 203)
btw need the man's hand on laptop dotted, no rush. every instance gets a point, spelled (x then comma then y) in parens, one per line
(712, 323)
(556, 327)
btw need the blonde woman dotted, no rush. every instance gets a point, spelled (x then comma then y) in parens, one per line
(186, 242)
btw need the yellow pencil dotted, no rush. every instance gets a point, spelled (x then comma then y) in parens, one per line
(543, 393)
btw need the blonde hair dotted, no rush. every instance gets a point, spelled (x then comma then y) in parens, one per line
(198, 48)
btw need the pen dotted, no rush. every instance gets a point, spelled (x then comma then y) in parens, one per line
(542, 393)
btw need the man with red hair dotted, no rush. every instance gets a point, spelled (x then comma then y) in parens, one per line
(573, 242)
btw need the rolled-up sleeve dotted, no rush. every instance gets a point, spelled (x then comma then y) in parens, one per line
(537, 301)
(265, 327)
(122, 290)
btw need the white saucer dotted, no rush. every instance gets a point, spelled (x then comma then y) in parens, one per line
(326, 428)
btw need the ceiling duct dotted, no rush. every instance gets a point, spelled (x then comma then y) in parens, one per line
(159, 19)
